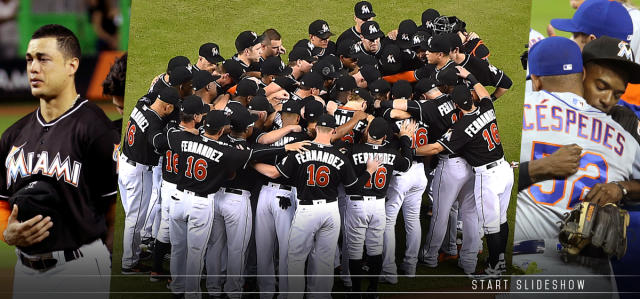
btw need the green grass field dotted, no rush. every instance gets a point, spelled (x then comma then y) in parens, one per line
(160, 30)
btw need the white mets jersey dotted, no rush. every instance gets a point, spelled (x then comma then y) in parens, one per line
(609, 154)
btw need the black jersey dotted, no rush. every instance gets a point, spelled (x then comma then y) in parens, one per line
(253, 67)
(391, 160)
(247, 178)
(316, 51)
(476, 136)
(486, 73)
(345, 114)
(350, 36)
(143, 126)
(286, 139)
(159, 84)
(77, 154)
(439, 113)
(319, 171)
(169, 145)
(475, 47)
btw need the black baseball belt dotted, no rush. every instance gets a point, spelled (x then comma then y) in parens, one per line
(280, 186)
(44, 262)
(359, 197)
(134, 163)
(309, 202)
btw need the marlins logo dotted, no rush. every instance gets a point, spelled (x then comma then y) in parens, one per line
(20, 164)
(214, 51)
(391, 59)
(325, 28)
(625, 51)
(365, 9)
(373, 29)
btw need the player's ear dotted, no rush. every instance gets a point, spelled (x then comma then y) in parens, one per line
(72, 65)
(536, 83)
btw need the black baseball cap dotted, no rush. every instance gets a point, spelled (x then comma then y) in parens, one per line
(216, 119)
(326, 120)
(447, 77)
(429, 15)
(378, 128)
(346, 48)
(292, 106)
(420, 40)
(241, 118)
(176, 62)
(287, 83)
(363, 10)
(406, 30)
(312, 110)
(180, 75)
(425, 85)
(211, 52)
(390, 60)
(401, 90)
(273, 65)
(462, 97)
(370, 73)
(202, 78)
(365, 59)
(325, 68)
(260, 103)
(247, 87)
(247, 39)
(320, 28)
(346, 83)
(234, 69)
(379, 86)
(615, 52)
(371, 30)
(365, 94)
(439, 44)
(454, 40)
(312, 80)
(193, 104)
(169, 96)
(301, 53)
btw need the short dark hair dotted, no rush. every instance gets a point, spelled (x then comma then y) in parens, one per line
(67, 41)
(269, 35)
(185, 117)
(114, 83)
(212, 131)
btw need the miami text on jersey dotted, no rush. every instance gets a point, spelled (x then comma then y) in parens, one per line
(320, 156)
(480, 122)
(20, 164)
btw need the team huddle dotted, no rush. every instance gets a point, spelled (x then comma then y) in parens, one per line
(252, 167)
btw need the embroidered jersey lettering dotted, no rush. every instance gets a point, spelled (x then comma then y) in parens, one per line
(143, 125)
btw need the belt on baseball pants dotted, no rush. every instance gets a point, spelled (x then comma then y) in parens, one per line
(364, 198)
(280, 186)
(134, 163)
(42, 262)
(234, 191)
(192, 193)
(450, 156)
(309, 202)
(489, 165)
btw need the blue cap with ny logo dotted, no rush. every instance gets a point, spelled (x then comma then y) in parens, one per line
(555, 56)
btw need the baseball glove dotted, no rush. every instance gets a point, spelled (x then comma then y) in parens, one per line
(603, 227)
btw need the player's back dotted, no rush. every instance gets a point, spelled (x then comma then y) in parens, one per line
(391, 160)
(555, 119)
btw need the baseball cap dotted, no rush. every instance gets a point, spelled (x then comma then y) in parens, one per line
(234, 69)
(241, 118)
(379, 86)
(363, 10)
(390, 60)
(462, 96)
(180, 75)
(320, 28)
(202, 78)
(448, 77)
(599, 17)
(292, 106)
(370, 73)
(260, 103)
(555, 55)
(425, 85)
(420, 40)
(429, 15)
(325, 68)
(378, 128)
(439, 43)
(346, 48)
(371, 30)
(169, 96)
(247, 39)
(401, 90)
(287, 83)
(365, 59)
(312, 110)
(216, 119)
(211, 52)
(193, 104)
(176, 62)
(301, 53)
(273, 65)
(247, 87)
(326, 120)
(365, 94)
(346, 83)
(406, 30)
(454, 40)
(312, 80)
(612, 51)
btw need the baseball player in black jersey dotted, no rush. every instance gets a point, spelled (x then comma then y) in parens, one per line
(58, 181)
(135, 173)
(365, 212)
(318, 43)
(316, 224)
(476, 137)
(162, 80)
(363, 11)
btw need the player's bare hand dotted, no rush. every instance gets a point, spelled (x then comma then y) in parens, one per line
(297, 146)
(393, 34)
(360, 115)
(281, 95)
(295, 128)
(373, 164)
(462, 72)
(408, 128)
(26, 233)
(604, 193)
(376, 104)
(565, 161)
